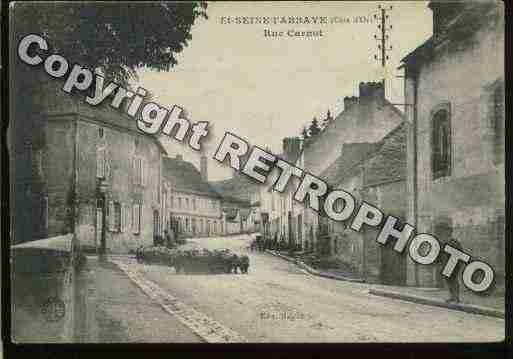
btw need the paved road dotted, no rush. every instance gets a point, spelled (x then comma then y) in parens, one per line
(277, 302)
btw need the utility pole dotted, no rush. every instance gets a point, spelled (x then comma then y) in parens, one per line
(383, 46)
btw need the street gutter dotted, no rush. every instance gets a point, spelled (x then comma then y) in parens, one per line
(474, 309)
(313, 271)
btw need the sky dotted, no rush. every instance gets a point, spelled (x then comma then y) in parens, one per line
(266, 88)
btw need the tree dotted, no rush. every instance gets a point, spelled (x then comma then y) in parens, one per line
(314, 128)
(116, 38)
(327, 120)
(304, 133)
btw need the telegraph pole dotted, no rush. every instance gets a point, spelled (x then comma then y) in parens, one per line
(383, 46)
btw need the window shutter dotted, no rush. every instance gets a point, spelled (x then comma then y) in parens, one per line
(134, 170)
(100, 169)
(111, 215)
(143, 172)
(133, 218)
(122, 225)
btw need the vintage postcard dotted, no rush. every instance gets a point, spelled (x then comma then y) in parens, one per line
(257, 172)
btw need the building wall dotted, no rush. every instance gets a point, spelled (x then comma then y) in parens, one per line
(472, 197)
(122, 147)
(188, 208)
(367, 118)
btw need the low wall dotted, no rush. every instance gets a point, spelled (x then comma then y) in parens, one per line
(43, 291)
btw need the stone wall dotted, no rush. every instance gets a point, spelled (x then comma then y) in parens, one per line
(41, 271)
(461, 77)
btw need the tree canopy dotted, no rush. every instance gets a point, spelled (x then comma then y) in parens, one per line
(115, 37)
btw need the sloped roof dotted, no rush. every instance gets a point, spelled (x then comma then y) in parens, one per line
(388, 162)
(244, 213)
(231, 213)
(352, 155)
(239, 188)
(184, 176)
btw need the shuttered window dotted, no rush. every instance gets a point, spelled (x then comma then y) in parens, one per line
(498, 124)
(110, 215)
(117, 217)
(100, 163)
(136, 218)
(441, 144)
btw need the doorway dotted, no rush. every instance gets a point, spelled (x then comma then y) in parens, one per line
(101, 245)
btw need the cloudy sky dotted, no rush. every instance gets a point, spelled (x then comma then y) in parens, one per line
(264, 89)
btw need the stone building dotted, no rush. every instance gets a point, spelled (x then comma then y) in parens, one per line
(93, 173)
(243, 193)
(365, 119)
(375, 173)
(192, 206)
(279, 213)
(455, 88)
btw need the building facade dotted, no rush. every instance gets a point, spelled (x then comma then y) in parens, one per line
(375, 173)
(93, 174)
(367, 118)
(455, 85)
(191, 206)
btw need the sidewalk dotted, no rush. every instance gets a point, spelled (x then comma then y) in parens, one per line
(492, 305)
(331, 274)
(114, 310)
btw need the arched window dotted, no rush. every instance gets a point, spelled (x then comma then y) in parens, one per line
(441, 144)
(498, 124)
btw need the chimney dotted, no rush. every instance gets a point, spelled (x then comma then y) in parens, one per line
(291, 146)
(350, 102)
(443, 13)
(204, 168)
(371, 91)
(179, 157)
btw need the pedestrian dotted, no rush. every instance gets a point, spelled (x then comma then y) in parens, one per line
(444, 231)
(167, 238)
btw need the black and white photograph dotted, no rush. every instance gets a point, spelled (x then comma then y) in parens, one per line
(256, 172)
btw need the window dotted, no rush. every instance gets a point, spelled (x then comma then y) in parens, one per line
(100, 163)
(100, 132)
(125, 218)
(117, 217)
(187, 203)
(136, 218)
(194, 203)
(441, 144)
(172, 202)
(44, 219)
(498, 124)
(139, 171)
(179, 202)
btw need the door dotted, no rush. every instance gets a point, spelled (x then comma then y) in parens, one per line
(100, 226)
(393, 266)
(156, 229)
(291, 232)
(300, 229)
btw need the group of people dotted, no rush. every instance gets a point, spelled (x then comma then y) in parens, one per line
(169, 240)
(272, 242)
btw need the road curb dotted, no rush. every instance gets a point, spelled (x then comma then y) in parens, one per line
(313, 271)
(204, 326)
(474, 309)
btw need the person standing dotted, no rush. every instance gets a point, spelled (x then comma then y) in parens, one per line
(446, 236)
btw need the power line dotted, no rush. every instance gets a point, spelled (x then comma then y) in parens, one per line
(384, 40)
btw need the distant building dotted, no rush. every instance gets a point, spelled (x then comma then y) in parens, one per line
(243, 194)
(375, 173)
(365, 119)
(191, 205)
(92, 173)
(280, 215)
(455, 85)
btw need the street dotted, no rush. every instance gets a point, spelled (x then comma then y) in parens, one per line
(278, 302)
